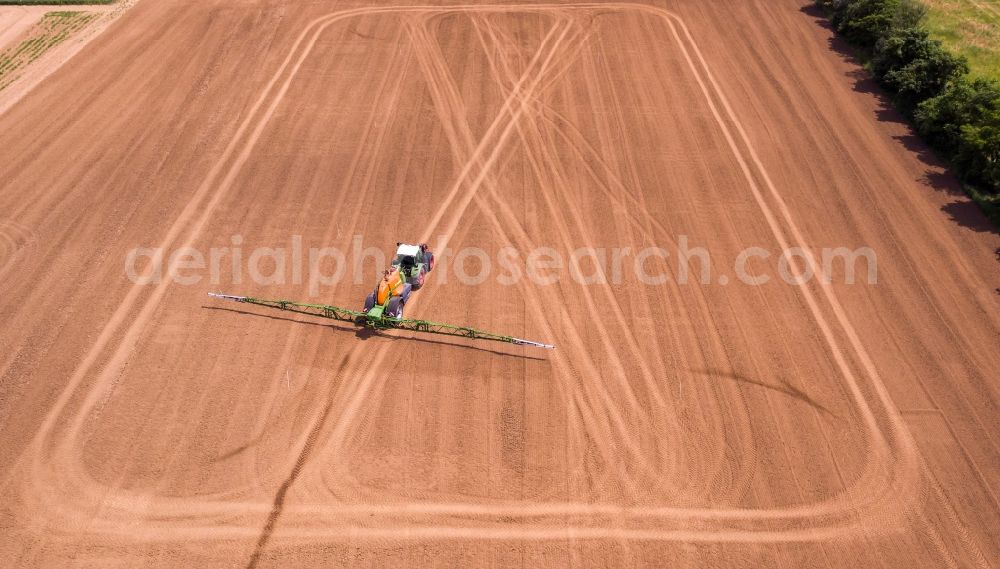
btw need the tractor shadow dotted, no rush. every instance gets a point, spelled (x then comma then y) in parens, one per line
(365, 333)
(782, 386)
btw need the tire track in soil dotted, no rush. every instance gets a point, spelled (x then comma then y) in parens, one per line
(462, 142)
(393, 81)
(107, 378)
(880, 389)
(714, 351)
(575, 141)
(363, 388)
(348, 416)
(546, 156)
(538, 153)
(307, 433)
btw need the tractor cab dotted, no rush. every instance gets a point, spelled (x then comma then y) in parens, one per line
(406, 256)
(413, 263)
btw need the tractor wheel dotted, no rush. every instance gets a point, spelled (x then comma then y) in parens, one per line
(429, 259)
(394, 308)
(370, 302)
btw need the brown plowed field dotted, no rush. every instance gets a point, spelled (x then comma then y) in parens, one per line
(821, 424)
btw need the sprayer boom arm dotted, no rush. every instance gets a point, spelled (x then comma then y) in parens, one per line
(345, 315)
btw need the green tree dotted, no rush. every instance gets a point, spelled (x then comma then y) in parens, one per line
(863, 22)
(915, 67)
(979, 154)
(940, 119)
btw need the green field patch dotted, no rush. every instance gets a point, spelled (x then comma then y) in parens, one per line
(52, 30)
(52, 2)
(970, 28)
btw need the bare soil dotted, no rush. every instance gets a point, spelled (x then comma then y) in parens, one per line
(680, 425)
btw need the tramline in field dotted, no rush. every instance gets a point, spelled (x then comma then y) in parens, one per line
(383, 308)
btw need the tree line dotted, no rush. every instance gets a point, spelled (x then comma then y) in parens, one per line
(958, 115)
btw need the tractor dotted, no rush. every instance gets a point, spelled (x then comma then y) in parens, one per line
(407, 273)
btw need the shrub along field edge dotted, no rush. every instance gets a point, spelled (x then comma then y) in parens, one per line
(956, 114)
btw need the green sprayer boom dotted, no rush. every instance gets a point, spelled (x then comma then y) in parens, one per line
(381, 322)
